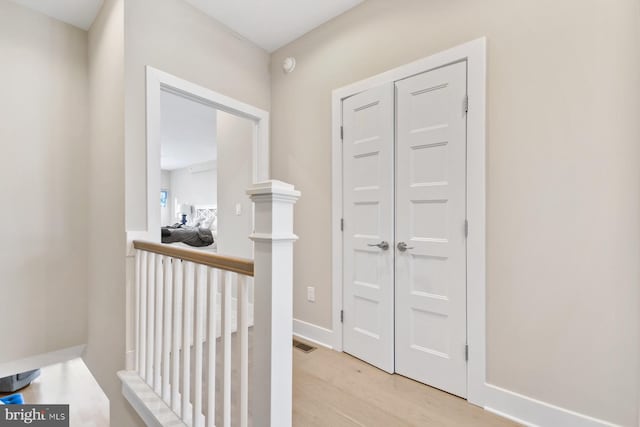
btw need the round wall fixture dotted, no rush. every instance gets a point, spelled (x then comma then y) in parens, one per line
(289, 64)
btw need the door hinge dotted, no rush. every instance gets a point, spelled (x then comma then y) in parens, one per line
(466, 228)
(341, 224)
(341, 316)
(465, 103)
(341, 132)
(466, 352)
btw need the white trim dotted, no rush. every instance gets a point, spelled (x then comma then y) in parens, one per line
(336, 219)
(474, 52)
(158, 81)
(147, 404)
(532, 412)
(313, 333)
(41, 360)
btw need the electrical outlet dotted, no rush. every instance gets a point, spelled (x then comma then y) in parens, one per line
(311, 294)
(238, 209)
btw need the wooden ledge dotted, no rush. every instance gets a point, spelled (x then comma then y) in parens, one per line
(237, 265)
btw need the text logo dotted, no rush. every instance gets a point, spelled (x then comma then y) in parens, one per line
(34, 415)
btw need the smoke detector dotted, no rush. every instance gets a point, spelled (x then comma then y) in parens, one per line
(289, 64)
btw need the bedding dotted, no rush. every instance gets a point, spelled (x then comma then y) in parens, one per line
(192, 236)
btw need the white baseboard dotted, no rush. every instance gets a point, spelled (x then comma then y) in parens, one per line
(40, 361)
(314, 333)
(534, 413)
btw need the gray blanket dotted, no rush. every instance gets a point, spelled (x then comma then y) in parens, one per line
(192, 236)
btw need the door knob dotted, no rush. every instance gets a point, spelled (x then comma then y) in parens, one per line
(382, 245)
(402, 246)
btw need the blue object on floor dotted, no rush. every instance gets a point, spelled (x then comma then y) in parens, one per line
(14, 399)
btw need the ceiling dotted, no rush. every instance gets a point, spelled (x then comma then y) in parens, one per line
(269, 24)
(80, 13)
(188, 132)
(274, 23)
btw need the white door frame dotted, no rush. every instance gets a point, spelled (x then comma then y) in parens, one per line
(474, 52)
(158, 81)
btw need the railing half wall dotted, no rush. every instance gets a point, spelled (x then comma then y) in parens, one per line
(201, 358)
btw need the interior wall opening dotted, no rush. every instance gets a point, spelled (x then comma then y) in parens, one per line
(206, 165)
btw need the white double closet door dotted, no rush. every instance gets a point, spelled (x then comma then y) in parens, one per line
(404, 190)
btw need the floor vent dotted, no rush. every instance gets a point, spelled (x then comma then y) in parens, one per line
(303, 347)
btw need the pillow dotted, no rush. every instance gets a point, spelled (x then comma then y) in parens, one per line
(194, 222)
(205, 218)
(206, 222)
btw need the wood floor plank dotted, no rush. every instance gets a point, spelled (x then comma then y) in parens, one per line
(335, 389)
(329, 389)
(70, 383)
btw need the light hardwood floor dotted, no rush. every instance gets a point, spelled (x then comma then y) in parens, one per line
(334, 389)
(329, 389)
(70, 383)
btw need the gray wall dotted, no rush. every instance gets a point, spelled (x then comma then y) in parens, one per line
(174, 37)
(106, 350)
(235, 175)
(43, 135)
(563, 178)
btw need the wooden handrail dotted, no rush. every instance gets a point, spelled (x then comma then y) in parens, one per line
(237, 265)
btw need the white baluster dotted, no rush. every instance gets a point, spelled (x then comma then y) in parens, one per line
(226, 342)
(167, 321)
(141, 298)
(177, 327)
(214, 279)
(243, 334)
(157, 360)
(178, 308)
(186, 340)
(151, 285)
(201, 277)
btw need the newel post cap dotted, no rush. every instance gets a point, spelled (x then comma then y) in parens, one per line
(281, 190)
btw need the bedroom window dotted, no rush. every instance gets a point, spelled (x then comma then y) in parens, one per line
(164, 195)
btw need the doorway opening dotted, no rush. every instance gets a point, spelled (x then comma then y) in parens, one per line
(204, 149)
(206, 166)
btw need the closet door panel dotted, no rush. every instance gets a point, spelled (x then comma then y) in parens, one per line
(430, 306)
(368, 221)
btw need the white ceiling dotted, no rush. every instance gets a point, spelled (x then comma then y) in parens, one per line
(274, 23)
(269, 24)
(188, 132)
(80, 13)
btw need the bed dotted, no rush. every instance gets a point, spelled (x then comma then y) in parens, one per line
(199, 232)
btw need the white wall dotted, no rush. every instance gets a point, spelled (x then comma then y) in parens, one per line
(106, 351)
(563, 178)
(193, 188)
(43, 183)
(235, 175)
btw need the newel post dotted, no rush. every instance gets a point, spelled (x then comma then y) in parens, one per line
(273, 239)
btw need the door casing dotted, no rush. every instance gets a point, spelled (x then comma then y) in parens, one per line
(474, 52)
